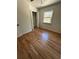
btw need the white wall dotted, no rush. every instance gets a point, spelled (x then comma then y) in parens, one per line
(24, 17)
(56, 19)
(39, 3)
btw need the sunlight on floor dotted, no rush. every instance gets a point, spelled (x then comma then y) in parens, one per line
(44, 36)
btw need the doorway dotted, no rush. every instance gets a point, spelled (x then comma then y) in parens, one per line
(34, 19)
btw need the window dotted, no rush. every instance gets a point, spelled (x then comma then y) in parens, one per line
(47, 17)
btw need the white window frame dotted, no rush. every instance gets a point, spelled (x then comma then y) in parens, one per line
(48, 15)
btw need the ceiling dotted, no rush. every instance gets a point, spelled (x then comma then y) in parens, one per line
(42, 3)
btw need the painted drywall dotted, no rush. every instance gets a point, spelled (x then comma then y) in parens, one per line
(38, 19)
(24, 17)
(42, 3)
(56, 19)
(32, 8)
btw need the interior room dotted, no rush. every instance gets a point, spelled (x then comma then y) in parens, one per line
(38, 29)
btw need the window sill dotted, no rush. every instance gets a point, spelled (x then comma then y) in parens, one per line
(47, 23)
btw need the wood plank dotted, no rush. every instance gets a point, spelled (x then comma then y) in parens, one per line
(39, 44)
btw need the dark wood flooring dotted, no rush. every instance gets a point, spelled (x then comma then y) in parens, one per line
(39, 44)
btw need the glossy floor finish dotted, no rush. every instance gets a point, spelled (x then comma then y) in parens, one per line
(39, 44)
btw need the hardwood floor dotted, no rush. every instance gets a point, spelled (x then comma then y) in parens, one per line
(39, 44)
